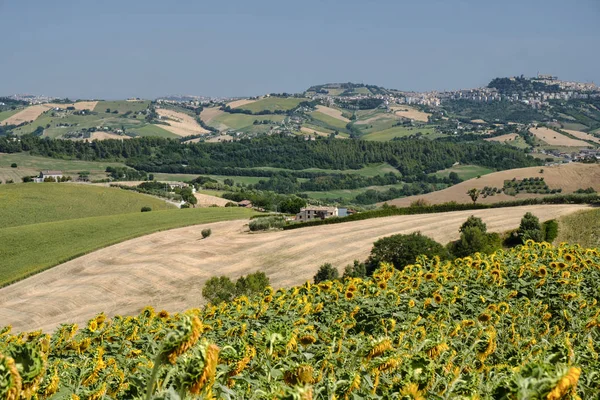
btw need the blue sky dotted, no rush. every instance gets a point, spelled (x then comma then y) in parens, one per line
(116, 49)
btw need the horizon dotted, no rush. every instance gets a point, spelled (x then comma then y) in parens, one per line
(142, 49)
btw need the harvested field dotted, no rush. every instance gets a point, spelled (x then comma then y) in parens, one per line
(206, 200)
(80, 105)
(101, 135)
(412, 113)
(180, 123)
(239, 103)
(31, 113)
(167, 270)
(509, 137)
(583, 135)
(312, 131)
(222, 138)
(478, 121)
(209, 114)
(554, 138)
(332, 112)
(568, 177)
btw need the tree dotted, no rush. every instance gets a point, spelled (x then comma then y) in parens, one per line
(218, 289)
(252, 284)
(327, 272)
(206, 233)
(108, 110)
(454, 178)
(13, 165)
(530, 228)
(473, 194)
(356, 270)
(229, 182)
(550, 229)
(474, 238)
(402, 250)
(473, 222)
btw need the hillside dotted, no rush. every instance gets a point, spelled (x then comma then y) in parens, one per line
(568, 177)
(167, 270)
(35, 203)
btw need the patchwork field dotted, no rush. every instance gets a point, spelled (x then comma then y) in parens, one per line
(312, 131)
(332, 112)
(583, 136)
(329, 121)
(80, 105)
(208, 114)
(100, 135)
(568, 177)
(243, 122)
(152, 130)
(8, 113)
(239, 103)
(29, 114)
(35, 203)
(401, 131)
(180, 123)
(554, 138)
(504, 138)
(60, 241)
(122, 106)
(206, 200)
(412, 113)
(272, 104)
(465, 172)
(168, 269)
(28, 165)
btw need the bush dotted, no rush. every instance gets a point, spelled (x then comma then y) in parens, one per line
(222, 289)
(146, 209)
(550, 229)
(530, 228)
(356, 270)
(474, 239)
(420, 203)
(13, 165)
(185, 205)
(206, 233)
(401, 250)
(252, 284)
(231, 204)
(327, 272)
(26, 179)
(266, 223)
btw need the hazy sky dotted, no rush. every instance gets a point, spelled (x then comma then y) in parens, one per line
(118, 49)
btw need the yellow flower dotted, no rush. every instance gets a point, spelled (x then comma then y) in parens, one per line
(412, 392)
(411, 303)
(569, 380)
(379, 347)
(485, 317)
(438, 298)
(349, 295)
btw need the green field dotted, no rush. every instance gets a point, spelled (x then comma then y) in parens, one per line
(248, 180)
(34, 203)
(328, 122)
(122, 106)
(244, 122)
(151, 130)
(30, 249)
(465, 172)
(582, 228)
(348, 194)
(400, 131)
(273, 104)
(29, 165)
(8, 113)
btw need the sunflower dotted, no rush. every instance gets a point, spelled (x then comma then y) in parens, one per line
(430, 276)
(411, 303)
(307, 340)
(412, 392)
(438, 298)
(379, 347)
(349, 295)
(267, 299)
(11, 387)
(542, 271)
(352, 288)
(568, 381)
(163, 314)
(566, 274)
(484, 317)
(569, 257)
(382, 285)
(503, 307)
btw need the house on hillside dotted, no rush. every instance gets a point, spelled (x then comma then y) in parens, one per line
(56, 175)
(316, 212)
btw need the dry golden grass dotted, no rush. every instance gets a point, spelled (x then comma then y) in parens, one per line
(503, 138)
(554, 138)
(239, 103)
(332, 112)
(412, 113)
(568, 177)
(180, 123)
(208, 114)
(478, 121)
(312, 131)
(206, 200)
(222, 138)
(583, 135)
(168, 269)
(80, 105)
(31, 113)
(100, 135)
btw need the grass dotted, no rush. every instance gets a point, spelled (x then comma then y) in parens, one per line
(248, 180)
(400, 131)
(273, 104)
(329, 122)
(369, 170)
(30, 249)
(243, 121)
(582, 228)
(28, 165)
(465, 172)
(348, 194)
(152, 130)
(8, 113)
(122, 106)
(34, 203)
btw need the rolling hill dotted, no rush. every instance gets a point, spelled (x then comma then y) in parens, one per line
(568, 177)
(168, 269)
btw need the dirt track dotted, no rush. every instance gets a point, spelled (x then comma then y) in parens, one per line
(168, 269)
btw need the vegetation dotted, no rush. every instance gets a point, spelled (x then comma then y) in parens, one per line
(530, 228)
(520, 324)
(221, 289)
(326, 272)
(496, 111)
(206, 233)
(266, 223)
(550, 229)
(146, 209)
(25, 204)
(582, 228)
(60, 241)
(474, 238)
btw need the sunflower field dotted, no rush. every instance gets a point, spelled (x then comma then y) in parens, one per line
(518, 324)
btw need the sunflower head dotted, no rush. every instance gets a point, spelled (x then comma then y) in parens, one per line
(484, 317)
(349, 295)
(438, 298)
(10, 379)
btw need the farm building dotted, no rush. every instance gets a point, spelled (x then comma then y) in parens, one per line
(316, 212)
(56, 175)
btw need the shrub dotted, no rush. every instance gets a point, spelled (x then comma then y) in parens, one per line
(401, 250)
(550, 229)
(356, 270)
(266, 223)
(206, 233)
(146, 209)
(327, 272)
(252, 284)
(231, 204)
(8, 181)
(185, 205)
(218, 289)
(420, 203)
(530, 228)
(13, 165)
(474, 239)
(27, 179)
